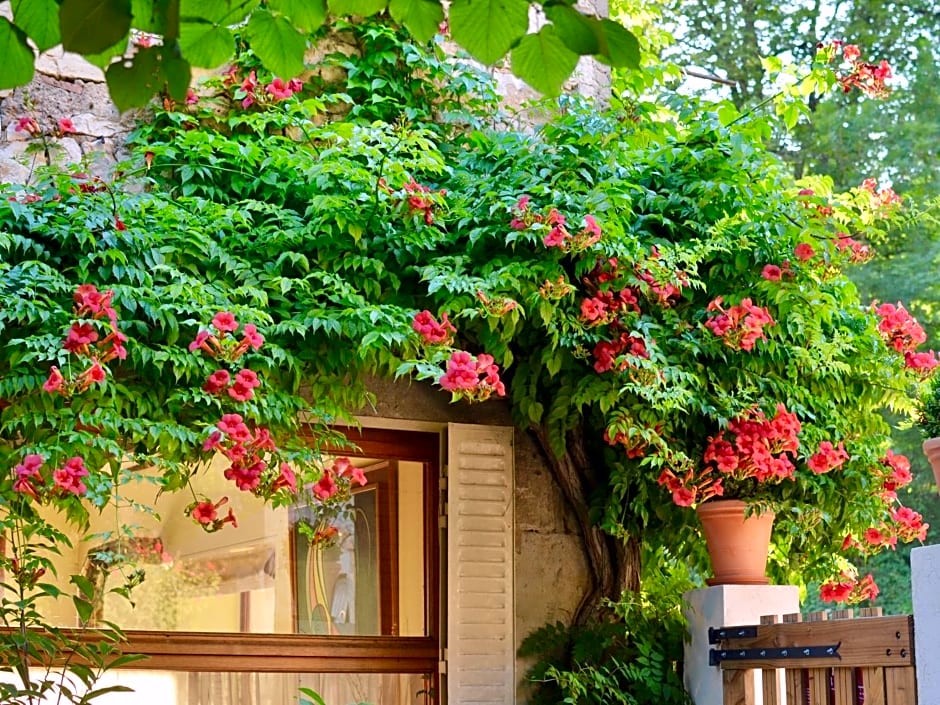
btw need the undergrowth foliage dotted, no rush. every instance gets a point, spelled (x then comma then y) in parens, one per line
(634, 660)
(582, 269)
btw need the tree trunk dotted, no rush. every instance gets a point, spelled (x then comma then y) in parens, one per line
(613, 562)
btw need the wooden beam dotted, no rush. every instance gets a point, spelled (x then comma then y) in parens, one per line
(876, 641)
(276, 653)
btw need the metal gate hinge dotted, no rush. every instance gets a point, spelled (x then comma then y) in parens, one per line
(716, 656)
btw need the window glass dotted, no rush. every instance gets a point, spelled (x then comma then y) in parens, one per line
(235, 608)
(367, 578)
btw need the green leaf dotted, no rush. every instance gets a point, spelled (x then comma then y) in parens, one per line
(578, 32)
(315, 697)
(103, 59)
(618, 45)
(49, 589)
(151, 16)
(84, 609)
(149, 73)
(98, 692)
(205, 44)
(39, 19)
(363, 8)
(308, 15)
(16, 69)
(421, 17)
(91, 26)
(543, 61)
(125, 659)
(771, 64)
(221, 12)
(177, 76)
(791, 115)
(488, 29)
(84, 585)
(277, 43)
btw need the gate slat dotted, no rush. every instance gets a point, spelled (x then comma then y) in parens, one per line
(738, 687)
(818, 677)
(843, 679)
(845, 686)
(794, 686)
(794, 676)
(769, 677)
(900, 686)
(873, 680)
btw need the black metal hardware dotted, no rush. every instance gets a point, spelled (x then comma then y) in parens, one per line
(716, 656)
(719, 634)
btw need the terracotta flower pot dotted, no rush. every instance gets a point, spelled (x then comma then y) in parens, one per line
(737, 545)
(932, 451)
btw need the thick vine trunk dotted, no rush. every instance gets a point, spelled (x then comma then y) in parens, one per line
(614, 563)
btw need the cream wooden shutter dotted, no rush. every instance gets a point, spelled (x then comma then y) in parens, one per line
(480, 634)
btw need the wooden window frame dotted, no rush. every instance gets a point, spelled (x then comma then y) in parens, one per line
(307, 653)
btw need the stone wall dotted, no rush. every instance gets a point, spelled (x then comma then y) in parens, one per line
(99, 130)
(590, 79)
(65, 86)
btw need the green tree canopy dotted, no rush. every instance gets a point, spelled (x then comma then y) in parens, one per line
(849, 138)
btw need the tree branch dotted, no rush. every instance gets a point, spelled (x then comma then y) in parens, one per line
(614, 563)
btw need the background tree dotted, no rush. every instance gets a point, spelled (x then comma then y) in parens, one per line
(729, 39)
(850, 138)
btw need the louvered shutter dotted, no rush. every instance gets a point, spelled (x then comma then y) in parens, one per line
(480, 634)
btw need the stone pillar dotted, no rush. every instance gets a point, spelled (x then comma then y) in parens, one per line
(722, 606)
(925, 577)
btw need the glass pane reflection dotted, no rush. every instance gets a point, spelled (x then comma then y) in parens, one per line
(337, 580)
(265, 576)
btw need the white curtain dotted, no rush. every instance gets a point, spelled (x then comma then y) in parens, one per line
(240, 689)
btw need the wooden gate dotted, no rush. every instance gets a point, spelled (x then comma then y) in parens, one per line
(818, 659)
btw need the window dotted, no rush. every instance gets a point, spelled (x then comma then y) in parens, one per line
(249, 616)
(242, 614)
(352, 586)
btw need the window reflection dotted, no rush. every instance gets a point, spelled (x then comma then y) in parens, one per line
(232, 589)
(346, 581)
(265, 576)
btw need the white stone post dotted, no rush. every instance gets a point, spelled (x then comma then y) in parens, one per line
(724, 606)
(925, 589)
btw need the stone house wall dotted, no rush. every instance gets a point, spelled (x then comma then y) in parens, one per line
(65, 86)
